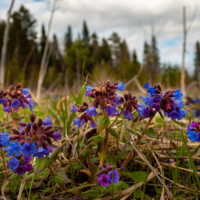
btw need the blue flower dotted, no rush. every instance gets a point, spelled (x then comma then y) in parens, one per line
(91, 111)
(120, 86)
(148, 100)
(158, 97)
(78, 122)
(31, 106)
(15, 103)
(146, 85)
(111, 111)
(141, 109)
(92, 124)
(25, 91)
(13, 163)
(15, 148)
(127, 115)
(177, 94)
(174, 115)
(41, 152)
(113, 176)
(151, 90)
(28, 149)
(74, 109)
(2, 100)
(193, 136)
(89, 88)
(47, 121)
(4, 138)
(6, 108)
(146, 112)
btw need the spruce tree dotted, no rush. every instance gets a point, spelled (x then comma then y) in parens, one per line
(68, 38)
(197, 61)
(85, 33)
(105, 51)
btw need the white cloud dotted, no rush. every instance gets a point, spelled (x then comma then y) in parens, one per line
(125, 17)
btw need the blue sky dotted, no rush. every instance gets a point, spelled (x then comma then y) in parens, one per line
(131, 19)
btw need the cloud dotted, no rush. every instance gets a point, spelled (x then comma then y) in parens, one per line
(132, 20)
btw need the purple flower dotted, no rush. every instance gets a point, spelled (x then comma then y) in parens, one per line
(25, 159)
(146, 112)
(47, 121)
(120, 86)
(158, 97)
(91, 111)
(28, 149)
(151, 90)
(92, 124)
(13, 163)
(50, 148)
(117, 100)
(20, 170)
(177, 94)
(25, 91)
(87, 93)
(194, 124)
(103, 180)
(156, 106)
(74, 108)
(111, 111)
(174, 115)
(56, 135)
(146, 85)
(113, 176)
(41, 152)
(6, 108)
(127, 115)
(29, 167)
(4, 138)
(15, 103)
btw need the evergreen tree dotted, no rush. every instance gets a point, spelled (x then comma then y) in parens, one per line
(68, 38)
(105, 51)
(86, 38)
(95, 49)
(2, 27)
(43, 40)
(136, 64)
(197, 61)
(124, 51)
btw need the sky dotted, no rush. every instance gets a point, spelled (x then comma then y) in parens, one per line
(133, 20)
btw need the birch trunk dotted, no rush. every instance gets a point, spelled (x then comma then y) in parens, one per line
(4, 47)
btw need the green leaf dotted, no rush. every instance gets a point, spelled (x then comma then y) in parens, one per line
(103, 123)
(138, 194)
(123, 185)
(111, 158)
(138, 176)
(160, 113)
(97, 138)
(75, 167)
(150, 132)
(14, 176)
(113, 132)
(93, 169)
(41, 175)
(54, 155)
(15, 115)
(60, 177)
(41, 165)
(93, 193)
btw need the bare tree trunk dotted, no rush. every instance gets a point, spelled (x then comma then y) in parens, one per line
(4, 47)
(183, 55)
(78, 70)
(44, 57)
(26, 63)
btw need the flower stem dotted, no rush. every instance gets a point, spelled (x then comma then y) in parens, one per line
(117, 117)
(105, 142)
(54, 174)
(13, 119)
(4, 164)
(130, 154)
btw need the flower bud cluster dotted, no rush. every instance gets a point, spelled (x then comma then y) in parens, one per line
(15, 97)
(33, 139)
(107, 174)
(170, 102)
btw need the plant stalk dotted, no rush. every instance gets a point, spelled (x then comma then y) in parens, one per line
(54, 174)
(105, 142)
(4, 164)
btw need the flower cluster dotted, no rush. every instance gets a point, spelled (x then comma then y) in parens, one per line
(16, 97)
(33, 139)
(105, 98)
(107, 175)
(170, 102)
(195, 105)
(193, 131)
